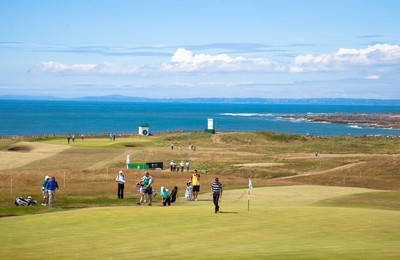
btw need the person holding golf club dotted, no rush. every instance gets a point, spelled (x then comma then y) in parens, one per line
(216, 191)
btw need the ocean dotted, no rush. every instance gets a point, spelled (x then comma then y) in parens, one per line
(23, 117)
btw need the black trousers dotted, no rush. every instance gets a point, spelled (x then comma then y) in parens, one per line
(166, 201)
(216, 200)
(121, 191)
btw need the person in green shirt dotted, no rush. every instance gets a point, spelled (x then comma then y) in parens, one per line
(165, 195)
(147, 188)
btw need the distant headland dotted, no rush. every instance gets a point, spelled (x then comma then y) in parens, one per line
(288, 101)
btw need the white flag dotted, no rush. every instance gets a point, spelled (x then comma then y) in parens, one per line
(250, 184)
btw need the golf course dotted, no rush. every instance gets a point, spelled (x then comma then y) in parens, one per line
(340, 203)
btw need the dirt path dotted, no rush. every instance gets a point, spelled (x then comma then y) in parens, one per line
(343, 167)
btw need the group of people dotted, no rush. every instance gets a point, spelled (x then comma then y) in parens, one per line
(72, 137)
(191, 146)
(179, 167)
(193, 189)
(146, 191)
(49, 187)
(144, 188)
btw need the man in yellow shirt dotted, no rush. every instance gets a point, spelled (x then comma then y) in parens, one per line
(195, 180)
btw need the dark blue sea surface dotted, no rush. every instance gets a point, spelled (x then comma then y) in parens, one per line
(84, 117)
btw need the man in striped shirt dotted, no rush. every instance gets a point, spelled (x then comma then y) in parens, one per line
(216, 190)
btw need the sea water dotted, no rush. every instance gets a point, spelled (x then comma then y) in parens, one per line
(85, 117)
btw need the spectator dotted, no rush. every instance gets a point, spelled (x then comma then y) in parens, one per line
(45, 192)
(121, 184)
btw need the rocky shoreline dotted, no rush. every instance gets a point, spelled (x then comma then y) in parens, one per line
(366, 121)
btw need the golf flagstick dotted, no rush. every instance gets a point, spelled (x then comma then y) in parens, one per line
(248, 195)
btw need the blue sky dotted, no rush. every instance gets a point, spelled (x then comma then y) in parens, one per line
(184, 49)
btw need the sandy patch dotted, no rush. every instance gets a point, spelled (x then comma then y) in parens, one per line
(23, 153)
(258, 164)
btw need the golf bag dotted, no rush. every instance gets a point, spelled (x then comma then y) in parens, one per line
(174, 192)
(25, 202)
(189, 191)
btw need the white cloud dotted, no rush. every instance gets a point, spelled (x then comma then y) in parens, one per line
(184, 61)
(376, 58)
(51, 66)
(104, 68)
(373, 77)
(379, 54)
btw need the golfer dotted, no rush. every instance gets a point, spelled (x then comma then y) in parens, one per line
(216, 191)
(51, 187)
(148, 189)
(165, 195)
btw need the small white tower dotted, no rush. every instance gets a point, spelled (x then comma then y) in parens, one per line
(210, 126)
(144, 130)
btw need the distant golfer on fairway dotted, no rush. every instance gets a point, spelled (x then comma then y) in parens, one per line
(216, 190)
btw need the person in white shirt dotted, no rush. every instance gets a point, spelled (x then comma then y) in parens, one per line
(121, 184)
(182, 166)
(187, 166)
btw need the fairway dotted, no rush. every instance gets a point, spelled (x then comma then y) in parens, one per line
(288, 222)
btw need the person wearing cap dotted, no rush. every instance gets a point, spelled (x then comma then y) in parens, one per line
(216, 191)
(165, 195)
(51, 187)
(121, 184)
(148, 189)
(45, 192)
(195, 180)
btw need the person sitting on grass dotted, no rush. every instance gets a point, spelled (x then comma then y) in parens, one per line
(165, 195)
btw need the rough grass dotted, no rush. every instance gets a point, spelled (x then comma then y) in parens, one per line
(87, 168)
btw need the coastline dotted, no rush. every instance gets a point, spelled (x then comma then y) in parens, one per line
(367, 121)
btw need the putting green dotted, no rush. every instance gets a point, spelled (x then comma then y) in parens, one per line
(283, 222)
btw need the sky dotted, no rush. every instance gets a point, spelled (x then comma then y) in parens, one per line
(201, 48)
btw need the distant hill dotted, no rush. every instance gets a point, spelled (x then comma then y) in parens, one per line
(311, 101)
